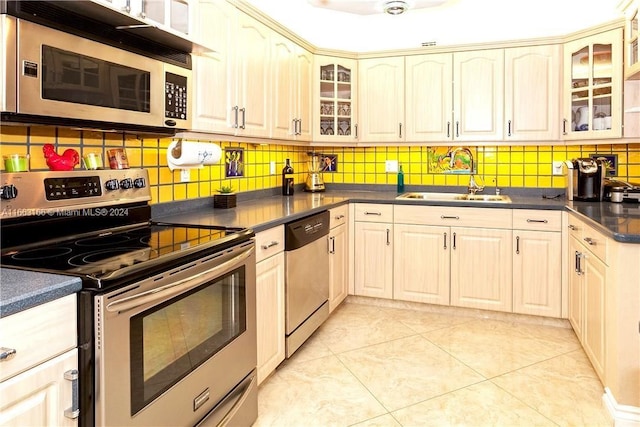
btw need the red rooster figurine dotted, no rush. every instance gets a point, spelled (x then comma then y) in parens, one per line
(57, 162)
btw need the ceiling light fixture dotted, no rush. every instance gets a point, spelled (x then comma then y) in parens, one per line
(395, 7)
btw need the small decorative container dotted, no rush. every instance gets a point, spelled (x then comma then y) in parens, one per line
(224, 200)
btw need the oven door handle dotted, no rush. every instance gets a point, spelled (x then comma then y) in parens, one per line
(164, 292)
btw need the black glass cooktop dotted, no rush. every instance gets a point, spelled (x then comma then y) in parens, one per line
(107, 255)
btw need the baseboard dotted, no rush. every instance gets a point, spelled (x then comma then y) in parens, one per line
(623, 415)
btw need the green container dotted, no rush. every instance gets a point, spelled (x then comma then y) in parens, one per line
(16, 163)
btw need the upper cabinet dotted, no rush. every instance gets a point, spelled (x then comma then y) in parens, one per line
(593, 87)
(169, 14)
(292, 67)
(532, 93)
(335, 83)
(631, 58)
(233, 82)
(381, 99)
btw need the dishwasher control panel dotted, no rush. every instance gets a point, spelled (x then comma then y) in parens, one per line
(306, 230)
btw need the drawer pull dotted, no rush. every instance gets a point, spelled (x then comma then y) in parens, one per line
(542, 221)
(7, 353)
(373, 213)
(572, 227)
(74, 411)
(449, 217)
(269, 245)
(589, 240)
(338, 217)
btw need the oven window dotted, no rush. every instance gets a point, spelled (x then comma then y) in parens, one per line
(170, 340)
(79, 79)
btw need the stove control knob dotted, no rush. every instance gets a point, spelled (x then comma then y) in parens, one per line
(126, 183)
(139, 183)
(8, 192)
(112, 185)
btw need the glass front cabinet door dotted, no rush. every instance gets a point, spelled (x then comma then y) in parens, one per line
(632, 60)
(593, 82)
(334, 100)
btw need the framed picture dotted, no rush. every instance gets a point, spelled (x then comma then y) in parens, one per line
(329, 163)
(612, 162)
(234, 162)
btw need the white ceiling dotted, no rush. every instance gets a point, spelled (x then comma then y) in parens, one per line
(453, 23)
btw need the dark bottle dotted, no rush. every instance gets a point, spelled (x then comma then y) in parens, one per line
(400, 180)
(287, 179)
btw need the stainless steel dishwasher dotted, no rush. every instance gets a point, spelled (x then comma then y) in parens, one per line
(306, 278)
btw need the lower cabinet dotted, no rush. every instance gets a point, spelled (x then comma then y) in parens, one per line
(270, 301)
(338, 256)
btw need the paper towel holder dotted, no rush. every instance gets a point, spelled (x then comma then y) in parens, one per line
(207, 153)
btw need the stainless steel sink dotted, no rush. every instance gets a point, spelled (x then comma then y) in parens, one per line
(455, 197)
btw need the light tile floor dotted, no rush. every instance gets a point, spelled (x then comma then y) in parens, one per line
(375, 364)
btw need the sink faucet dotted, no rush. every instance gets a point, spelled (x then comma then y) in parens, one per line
(474, 187)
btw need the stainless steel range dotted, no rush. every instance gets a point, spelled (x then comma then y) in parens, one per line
(166, 319)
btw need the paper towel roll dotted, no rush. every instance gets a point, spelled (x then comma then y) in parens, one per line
(191, 154)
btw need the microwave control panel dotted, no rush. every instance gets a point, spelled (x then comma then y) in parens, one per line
(175, 96)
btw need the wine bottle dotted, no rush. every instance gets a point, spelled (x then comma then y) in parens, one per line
(400, 180)
(287, 179)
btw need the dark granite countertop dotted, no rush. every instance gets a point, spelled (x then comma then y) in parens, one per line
(21, 289)
(620, 221)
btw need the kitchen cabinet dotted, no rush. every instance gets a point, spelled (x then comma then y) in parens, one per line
(466, 242)
(532, 93)
(172, 15)
(36, 383)
(373, 251)
(593, 87)
(537, 262)
(291, 101)
(335, 99)
(587, 291)
(631, 9)
(270, 302)
(381, 99)
(338, 256)
(234, 82)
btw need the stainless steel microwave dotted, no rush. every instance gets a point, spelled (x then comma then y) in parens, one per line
(54, 77)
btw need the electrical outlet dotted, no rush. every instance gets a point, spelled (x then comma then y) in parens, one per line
(185, 175)
(391, 166)
(272, 167)
(557, 167)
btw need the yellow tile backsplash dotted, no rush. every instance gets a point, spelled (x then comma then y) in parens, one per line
(504, 166)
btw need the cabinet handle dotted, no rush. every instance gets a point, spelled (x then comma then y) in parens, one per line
(448, 129)
(449, 217)
(564, 126)
(388, 235)
(331, 243)
(294, 122)
(457, 128)
(400, 130)
(445, 241)
(542, 221)
(578, 263)
(454, 241)
(373, 213)
(572, 227)
(74, 411)
(517, 245)
(339, 217)
(509, 128)
(299, 126)
(244, 117)
(7, 353)
(235, 124)
(269, 245)
(356, 133)
(589, 240)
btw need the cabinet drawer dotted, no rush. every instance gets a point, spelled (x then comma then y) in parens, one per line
(576, 227)
(537, 220)
(338, 215)
(269, 242)
(596, 242)
(371, 212)
(38, 334)
(453, 216)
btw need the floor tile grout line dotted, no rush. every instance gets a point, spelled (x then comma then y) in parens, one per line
(522, 401)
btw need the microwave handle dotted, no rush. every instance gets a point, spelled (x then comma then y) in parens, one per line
(178, 287)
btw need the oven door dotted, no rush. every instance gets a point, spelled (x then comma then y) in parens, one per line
(170, 348)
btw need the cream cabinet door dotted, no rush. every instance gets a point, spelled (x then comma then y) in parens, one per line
(421, 263)
(302, 96)
(381, 99)
(338, 280)
(40, 395)
(532, 93)
(478, 95)
(429, 97)
(270, 314)
(374, 259)
(576, 292)
(537, 280)
(283, 72)
(481, 268)
(594, 313)
(212, 71)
